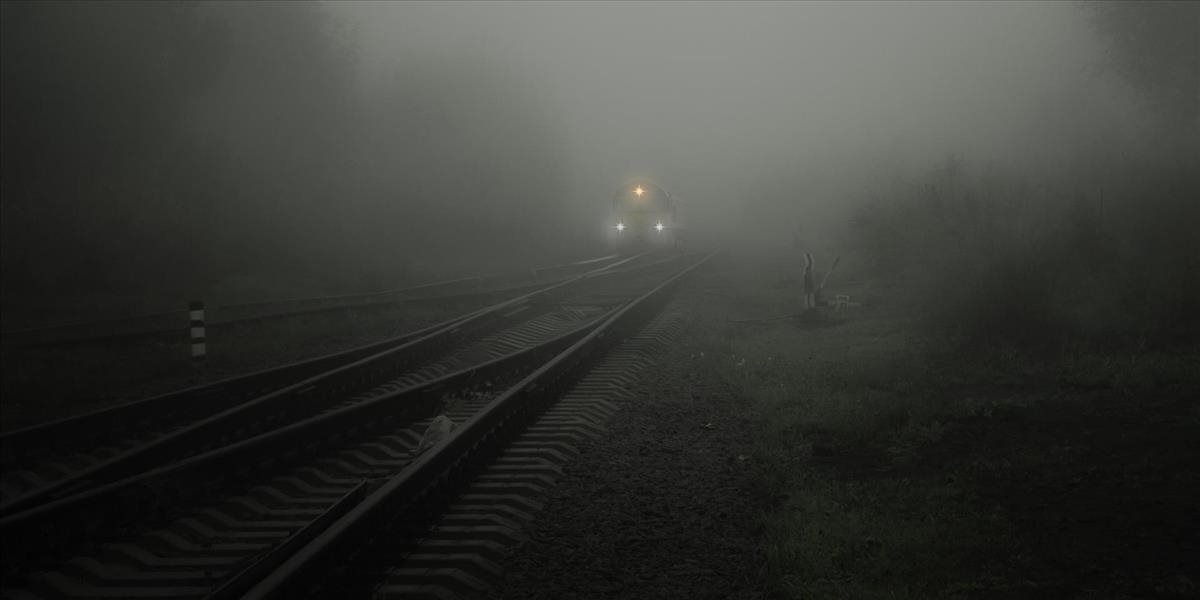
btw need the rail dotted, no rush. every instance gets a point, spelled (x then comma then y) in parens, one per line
(33, 538)
(319, 379)
(484, 433)
(165, 322)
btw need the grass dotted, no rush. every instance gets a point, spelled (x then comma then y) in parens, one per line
(902, 469)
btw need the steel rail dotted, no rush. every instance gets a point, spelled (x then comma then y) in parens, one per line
(164, 322)
(32, 535)
(80, 430)
(220, 426)
(483, 434)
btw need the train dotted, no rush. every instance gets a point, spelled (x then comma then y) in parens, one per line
(643, 214)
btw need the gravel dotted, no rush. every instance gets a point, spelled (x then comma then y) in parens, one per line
(666, 505)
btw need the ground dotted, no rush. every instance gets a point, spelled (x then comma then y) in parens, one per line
(665, 505)
(852, 455)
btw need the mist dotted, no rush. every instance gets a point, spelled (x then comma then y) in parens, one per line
(783, 107)
(579, 299)
(328, 147)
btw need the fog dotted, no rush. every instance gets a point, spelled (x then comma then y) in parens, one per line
(663, 299)
(249, 151)
(728, 103)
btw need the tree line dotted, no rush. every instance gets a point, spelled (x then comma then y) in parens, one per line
(160, 150)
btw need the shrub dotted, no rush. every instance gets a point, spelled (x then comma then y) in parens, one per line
(997, 261)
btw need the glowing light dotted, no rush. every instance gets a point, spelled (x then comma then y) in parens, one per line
(659, 226)
(620, 227)
(639, 191)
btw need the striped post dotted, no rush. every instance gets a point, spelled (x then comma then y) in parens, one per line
(196, 313)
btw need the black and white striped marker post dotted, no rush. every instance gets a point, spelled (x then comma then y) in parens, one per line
(196, 312)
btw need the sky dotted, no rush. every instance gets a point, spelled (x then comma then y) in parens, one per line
(438, 132)
(712, 97)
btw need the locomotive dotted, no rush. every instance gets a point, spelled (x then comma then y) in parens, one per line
(643, 214)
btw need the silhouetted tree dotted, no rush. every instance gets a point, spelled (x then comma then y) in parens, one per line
(92, 98)
(163, 147)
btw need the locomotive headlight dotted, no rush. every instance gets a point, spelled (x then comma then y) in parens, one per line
(639, 191)
(620, 227)
(659, 226)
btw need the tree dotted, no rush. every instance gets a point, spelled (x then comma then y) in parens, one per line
(90, 108)
(1155, 46)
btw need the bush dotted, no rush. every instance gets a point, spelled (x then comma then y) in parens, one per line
(995, 261)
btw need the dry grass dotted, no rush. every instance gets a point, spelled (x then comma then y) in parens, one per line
(903, 469)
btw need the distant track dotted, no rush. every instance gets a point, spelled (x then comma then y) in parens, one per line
(480, 480)
(169, 323)
(46, 461)
(218, 521)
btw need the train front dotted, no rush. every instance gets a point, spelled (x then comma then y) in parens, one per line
(643, 214)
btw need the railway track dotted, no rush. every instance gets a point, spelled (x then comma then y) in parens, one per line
(42, 462)
(168, 324)
(271, 506)
(453, 547)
